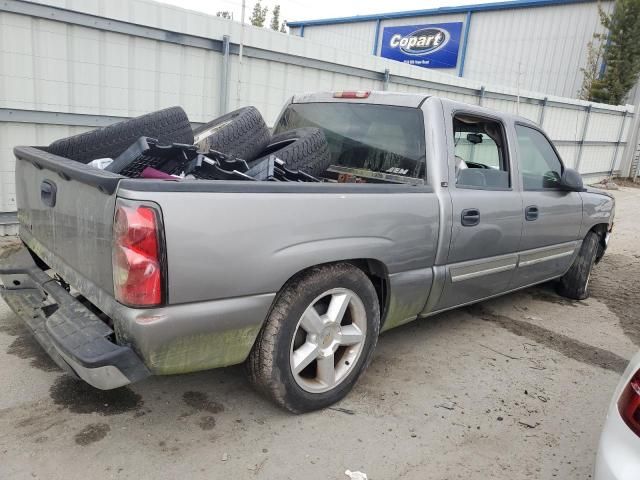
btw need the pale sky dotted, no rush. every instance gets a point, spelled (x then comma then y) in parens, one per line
(306, 10)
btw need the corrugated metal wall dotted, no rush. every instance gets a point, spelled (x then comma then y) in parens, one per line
(357, 37)
(65, 71)
(540, 49)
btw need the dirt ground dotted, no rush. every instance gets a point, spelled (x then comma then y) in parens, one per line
(512, 388)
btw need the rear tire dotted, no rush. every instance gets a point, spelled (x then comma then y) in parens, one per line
(575, 283)
(303, 149)
(241, 133)
(170, 125)
(318, 339)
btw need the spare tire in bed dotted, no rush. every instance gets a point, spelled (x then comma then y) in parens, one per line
(241, 133)
(169, 125)
(301, 149)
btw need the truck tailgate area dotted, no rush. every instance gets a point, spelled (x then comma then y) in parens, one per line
(68, 217)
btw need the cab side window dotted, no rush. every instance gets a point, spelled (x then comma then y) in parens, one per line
(541, 168)
(480, 154)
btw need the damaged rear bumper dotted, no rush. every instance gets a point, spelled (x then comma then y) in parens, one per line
(73, 336)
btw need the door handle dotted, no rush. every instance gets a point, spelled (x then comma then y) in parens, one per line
(470, 217)
(531, 213)
(48, 191)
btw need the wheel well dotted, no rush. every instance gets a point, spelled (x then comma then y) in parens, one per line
(374, 269)
(379, 276)
(601, 231)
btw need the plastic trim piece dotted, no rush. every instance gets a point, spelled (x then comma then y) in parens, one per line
(231, 186)
(66, 169)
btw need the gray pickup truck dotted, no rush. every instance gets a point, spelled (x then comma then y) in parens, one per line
(428, 205)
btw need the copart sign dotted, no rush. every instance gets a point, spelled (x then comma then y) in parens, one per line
(429, 46)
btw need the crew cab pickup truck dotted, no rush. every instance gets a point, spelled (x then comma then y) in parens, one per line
(428, 205)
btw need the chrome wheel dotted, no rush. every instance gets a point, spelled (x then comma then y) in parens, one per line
(328, 340)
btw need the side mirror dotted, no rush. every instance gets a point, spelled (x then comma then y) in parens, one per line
(571, 181)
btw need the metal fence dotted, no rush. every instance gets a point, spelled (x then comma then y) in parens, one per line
(67, 70)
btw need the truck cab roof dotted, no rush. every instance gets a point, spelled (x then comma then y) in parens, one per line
(399, 99)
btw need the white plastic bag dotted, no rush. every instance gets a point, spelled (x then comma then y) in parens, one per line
(100, 163)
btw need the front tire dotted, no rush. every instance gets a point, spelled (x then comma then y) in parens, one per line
(575, 283)
(318, 338)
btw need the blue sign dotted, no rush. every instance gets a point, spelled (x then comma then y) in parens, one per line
(430, 46)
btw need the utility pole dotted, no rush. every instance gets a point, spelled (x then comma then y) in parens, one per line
(238, 84)
(244, 5)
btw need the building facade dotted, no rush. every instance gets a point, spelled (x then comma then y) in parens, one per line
(532, 45)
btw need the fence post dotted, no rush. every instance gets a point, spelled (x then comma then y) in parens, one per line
(584, 136)
(615, 152)
(387, 78)
(481, 96)
(629, 153)
(543, 106)
(224, 76)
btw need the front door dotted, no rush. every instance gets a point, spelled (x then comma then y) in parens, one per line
(487, 212)
(552, 217)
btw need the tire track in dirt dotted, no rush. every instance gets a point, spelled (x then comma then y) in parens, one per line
(616, 283)
(563, 344)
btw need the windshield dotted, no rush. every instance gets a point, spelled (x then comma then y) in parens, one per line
(375, 138)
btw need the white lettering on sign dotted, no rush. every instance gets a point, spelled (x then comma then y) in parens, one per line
(420, 42)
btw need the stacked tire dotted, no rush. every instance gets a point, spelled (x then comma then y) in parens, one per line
(170, 125)
(300, 149)
(242, 133)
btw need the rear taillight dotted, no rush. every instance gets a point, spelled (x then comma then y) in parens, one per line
(629, 404)
(137, 263)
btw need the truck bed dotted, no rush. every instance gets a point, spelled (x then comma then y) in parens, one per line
(230, 247)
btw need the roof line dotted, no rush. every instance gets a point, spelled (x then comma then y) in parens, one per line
(438, 11)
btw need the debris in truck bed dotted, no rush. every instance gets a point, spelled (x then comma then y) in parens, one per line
(146, 152)
(272, 168)
(148, 159)
(235, 146)
(152, 173)
(223, 168)
(100, 163)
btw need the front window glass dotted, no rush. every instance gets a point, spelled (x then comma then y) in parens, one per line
(541, 167)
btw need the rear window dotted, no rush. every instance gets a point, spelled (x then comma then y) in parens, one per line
(379, 139)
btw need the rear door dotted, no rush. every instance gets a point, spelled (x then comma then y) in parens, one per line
(552, 217)
(486, 206)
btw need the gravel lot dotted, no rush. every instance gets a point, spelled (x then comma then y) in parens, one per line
(513, 388)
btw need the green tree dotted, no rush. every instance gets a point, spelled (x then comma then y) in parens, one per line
(283, 27)
(259, 15)
(621, 53)
(591, 71)
(275, 18)
(225, 14)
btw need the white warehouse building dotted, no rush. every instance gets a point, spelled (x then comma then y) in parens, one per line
(533, 45)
